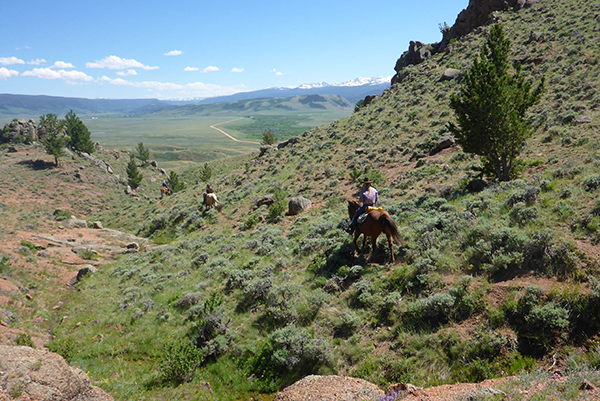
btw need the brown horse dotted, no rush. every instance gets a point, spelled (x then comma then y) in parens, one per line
(164, 191)
(210, 200)
(377, 221)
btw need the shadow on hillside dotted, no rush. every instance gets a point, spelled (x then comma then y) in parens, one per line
(37, 164)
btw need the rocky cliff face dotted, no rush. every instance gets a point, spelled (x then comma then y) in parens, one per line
(32, 374)
(478, 13)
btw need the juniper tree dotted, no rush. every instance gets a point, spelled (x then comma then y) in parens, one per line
(491, 106)
(143, 153)
(205, 173)
(173, 182)
(54, 140)
(79, 137)
(134, 178)
(268, 137)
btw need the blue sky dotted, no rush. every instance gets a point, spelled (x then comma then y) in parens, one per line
(184, 49)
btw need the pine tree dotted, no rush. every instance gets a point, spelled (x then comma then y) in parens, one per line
(133, 174)
(491, 108)
(143, 153)
(79, 137)
(54, 140)
(173, 182)
(268, 137)
(205, 173)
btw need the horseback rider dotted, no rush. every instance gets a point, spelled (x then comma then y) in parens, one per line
(165, 185)
(368, 197)
(209, 190)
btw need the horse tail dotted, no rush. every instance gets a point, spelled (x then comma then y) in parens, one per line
(388, 224)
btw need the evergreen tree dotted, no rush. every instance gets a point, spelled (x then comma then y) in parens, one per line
(133, 174)
(173, 182)
(268, 137)
(143, 153)
(490, 108)
(205, 173)
(54, 140)
(79, 137)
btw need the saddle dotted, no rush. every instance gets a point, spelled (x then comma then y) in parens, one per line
(361, 219)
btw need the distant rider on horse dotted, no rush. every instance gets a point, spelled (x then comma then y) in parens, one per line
(368, 197)
(165, 185)
(209, 190)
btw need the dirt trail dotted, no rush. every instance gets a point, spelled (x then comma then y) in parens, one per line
(229, 136)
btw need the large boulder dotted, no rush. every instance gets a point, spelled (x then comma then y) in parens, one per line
(298, 205)
(42, 375)
(330, 388)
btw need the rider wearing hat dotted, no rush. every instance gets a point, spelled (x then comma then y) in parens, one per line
(368, 197)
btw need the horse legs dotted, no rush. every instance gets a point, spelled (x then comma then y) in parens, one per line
(391, 243)
(373, 246)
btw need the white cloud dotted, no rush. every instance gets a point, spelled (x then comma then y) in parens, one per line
(6, 73)
(191, 69)
(47, 73)
(37, 61)
(62, 65)
(126, 73)
(10, 61)
(278, 73)
(174, 53)
(118, 63)
(238, 70)
(144, 84)
(210, 69)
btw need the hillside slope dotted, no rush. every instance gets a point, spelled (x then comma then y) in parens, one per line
(491, 279)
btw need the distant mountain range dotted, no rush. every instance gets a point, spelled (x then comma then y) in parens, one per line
(353, 91)
(29, 106)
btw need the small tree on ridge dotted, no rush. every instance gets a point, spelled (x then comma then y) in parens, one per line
(490, 108)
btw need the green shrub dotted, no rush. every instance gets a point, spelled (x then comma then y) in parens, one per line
(591, 182)
(347, 325)
(179, 361)
(65, 347)
(290, 353)
(276, 210)
(251, 222)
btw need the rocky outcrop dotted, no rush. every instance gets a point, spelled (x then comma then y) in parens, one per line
(18, 131)
(32, 374)
(330, 388)
(478, 13)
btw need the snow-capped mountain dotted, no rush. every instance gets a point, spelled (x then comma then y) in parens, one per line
(353, 91)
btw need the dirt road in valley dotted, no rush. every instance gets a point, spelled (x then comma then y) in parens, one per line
(229, 136)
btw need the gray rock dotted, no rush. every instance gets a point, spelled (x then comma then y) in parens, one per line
(43, 375)
(153, 163)
(298, 205)
(85, 270)
(265, 149)
(265, 200)
(97, 225)
(75, 222)
(445, 143)
(451, 74)
(128, 189)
